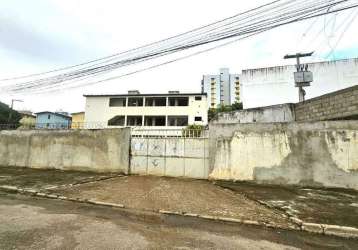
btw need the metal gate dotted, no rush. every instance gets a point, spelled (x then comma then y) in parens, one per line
(175, 153)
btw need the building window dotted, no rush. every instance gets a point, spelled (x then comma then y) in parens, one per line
(197, 98)
(178, 121)
(135, 102)
(178, 101)
(116, 121)
(134, 120)
(156, 102)
(154, 121)
(49, 117)
(198, 119)
(117, 102)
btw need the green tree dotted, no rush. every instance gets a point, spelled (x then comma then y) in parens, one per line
(4, 115)
(213, 112)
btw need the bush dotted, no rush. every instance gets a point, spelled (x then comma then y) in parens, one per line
(193, 131)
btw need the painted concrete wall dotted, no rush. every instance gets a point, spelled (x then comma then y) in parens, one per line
(82, 150)
(260, 85)
(277, 113)
(174, 157)
(308, 154)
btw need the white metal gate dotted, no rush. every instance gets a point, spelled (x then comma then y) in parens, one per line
(175, 153)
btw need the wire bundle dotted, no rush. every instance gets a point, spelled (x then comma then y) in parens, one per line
(240, 26)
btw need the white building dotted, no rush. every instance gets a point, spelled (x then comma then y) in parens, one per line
(222, 89)
(148, 111)
(275, 85)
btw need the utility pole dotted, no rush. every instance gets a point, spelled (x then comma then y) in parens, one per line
(303, 77)
(12, 106)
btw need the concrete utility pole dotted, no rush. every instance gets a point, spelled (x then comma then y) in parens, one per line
(12, 106)
(303, 77)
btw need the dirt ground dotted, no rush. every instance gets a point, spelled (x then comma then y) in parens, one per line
(324, 206)
(44, 179)
(32, 223)
(180, 195)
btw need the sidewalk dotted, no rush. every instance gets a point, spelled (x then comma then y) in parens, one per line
(321, 206)
(41, 179)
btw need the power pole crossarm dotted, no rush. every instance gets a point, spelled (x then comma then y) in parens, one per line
(11, 108)
(303, 77)
(298, 55)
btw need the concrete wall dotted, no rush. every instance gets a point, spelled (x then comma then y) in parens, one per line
(313, 154)
(275, 85)
(277, 113)
(174, 157)
(85, 150)
(342, 104)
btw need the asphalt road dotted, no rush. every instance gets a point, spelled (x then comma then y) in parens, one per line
(33, 223)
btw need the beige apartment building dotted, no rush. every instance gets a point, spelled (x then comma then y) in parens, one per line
(174, 110)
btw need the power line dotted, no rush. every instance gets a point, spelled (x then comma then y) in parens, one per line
(161, 64)
(131, 50)
(342, 35)
(263, 18)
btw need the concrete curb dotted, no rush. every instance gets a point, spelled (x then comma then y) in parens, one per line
(330, 230)
(57, 197)
(89, 181)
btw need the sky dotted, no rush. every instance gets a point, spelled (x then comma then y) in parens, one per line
(42, 35)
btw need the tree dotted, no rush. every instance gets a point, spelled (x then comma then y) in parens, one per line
(4, 115)
(213, 112)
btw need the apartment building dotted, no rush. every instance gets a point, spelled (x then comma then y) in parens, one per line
(158, 111)
(221, 89)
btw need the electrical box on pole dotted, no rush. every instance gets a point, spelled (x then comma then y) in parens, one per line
(302, 76)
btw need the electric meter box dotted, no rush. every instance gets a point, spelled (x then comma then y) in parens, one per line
(303, 78)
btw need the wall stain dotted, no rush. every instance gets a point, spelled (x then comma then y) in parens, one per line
(310, 163)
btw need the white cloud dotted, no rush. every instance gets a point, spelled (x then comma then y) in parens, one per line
(81, 30)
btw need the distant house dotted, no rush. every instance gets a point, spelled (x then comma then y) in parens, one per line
(28, 120)
(53, 120)
(78, 120)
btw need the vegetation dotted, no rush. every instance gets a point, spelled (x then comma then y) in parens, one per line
(213, 112)
(193, 131)
(4, 115)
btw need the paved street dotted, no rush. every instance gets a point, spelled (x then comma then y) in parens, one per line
(29, 222)
(33, 223)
